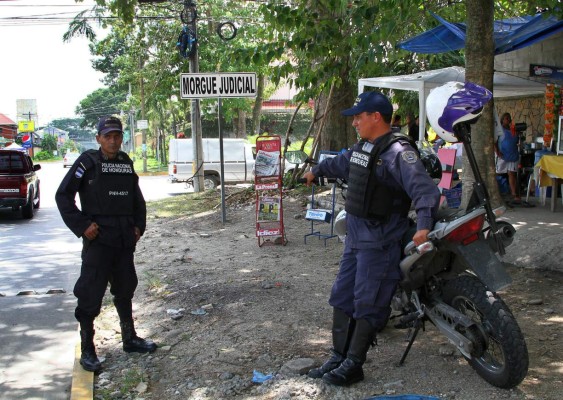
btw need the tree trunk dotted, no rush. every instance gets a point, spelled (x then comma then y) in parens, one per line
(338, 132)
(479, 68)
(257, 109)
(240, 124)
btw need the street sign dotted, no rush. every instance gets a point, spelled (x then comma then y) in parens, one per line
(26, 126)
(142, 124)
(218, 85)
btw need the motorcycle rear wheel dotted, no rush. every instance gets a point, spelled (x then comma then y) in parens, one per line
(503, 360)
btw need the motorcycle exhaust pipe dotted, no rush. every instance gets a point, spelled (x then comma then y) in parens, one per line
(505, 232)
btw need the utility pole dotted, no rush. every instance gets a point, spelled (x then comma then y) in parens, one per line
(28, 115)
(144, 131)
(196, 114)
(131, 122)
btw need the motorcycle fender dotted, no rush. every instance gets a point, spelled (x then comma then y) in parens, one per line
(479, 257)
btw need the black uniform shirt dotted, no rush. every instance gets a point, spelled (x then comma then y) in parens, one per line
(114, 230)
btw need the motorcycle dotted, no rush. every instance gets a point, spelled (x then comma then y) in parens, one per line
(452, 281)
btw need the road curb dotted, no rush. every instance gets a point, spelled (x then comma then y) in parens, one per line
(82, 387)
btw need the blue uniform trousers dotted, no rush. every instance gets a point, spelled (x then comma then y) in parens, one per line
(366, 282)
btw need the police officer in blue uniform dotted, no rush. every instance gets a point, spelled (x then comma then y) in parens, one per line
(385, 175)
(111, 221)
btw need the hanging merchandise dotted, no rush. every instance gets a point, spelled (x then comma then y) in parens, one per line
(549, 114)
(268, 186)
(187, 42)
(227, 30)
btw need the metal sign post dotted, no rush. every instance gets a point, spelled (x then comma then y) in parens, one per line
(197, 86)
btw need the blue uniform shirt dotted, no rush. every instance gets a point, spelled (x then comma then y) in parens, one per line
(399, 169)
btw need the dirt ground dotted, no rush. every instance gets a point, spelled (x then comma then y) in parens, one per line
(220, 307)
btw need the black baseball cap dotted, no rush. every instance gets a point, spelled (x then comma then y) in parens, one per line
(109, 124)
(370, 102)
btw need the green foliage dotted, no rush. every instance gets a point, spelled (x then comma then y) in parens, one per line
(49, 143)
(99, 103)
(309, 45)
(74, 128)
(43, 155)
(153, 165)
(70, 145)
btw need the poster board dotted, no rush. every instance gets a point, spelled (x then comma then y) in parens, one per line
(268, 209)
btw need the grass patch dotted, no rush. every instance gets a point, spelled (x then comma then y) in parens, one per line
(153, 166)
(131, 378)
(184, 204)
(154, 282)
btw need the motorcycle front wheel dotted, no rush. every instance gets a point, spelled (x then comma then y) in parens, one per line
(501, 357)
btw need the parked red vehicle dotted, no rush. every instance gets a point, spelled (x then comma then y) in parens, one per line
(19, 183)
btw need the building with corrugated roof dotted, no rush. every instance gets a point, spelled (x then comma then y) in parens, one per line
(8, 129)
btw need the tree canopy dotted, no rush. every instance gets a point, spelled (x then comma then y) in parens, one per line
(320, 47)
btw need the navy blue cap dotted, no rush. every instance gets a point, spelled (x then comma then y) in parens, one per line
(370, 102)
(109, 124)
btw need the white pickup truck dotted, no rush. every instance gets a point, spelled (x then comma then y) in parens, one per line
(238, 161)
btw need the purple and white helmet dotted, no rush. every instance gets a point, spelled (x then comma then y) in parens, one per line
(455, 102)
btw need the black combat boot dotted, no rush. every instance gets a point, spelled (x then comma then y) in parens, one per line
(342, 329)
(88, 358)
(350, 370)
(132, 342)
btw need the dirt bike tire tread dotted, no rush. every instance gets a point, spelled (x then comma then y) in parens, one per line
(504, 325)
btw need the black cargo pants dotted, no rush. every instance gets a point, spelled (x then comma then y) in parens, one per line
(102, 264)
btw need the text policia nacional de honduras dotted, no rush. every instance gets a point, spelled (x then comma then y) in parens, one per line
(227, 85)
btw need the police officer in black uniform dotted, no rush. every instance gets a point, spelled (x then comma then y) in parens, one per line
(385, 175)
(111, 221)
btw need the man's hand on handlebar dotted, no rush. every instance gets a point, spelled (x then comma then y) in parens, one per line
(420, 236)
(308, 178)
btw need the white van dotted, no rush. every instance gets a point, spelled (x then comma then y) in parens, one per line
(238, 158)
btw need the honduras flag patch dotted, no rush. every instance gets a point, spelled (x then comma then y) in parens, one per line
(79, 172)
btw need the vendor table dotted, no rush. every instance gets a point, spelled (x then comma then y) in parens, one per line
(551, 172)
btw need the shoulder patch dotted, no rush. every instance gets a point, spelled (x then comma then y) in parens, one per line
(79, 172)
(409, 156)
(367, 147)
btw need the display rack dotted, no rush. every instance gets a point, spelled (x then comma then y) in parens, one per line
(268, 186)
(320, 217)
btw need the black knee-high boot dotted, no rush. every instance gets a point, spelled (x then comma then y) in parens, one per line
(342, 329)
(88, 357)
(132, 342)
(350, 370)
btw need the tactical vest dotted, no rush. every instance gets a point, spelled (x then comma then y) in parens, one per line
(366, 197)
(112, 189)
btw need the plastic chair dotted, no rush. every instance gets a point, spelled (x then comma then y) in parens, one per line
(542, 189)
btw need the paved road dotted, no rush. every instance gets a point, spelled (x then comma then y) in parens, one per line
(38, 330)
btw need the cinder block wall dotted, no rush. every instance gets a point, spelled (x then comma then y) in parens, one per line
(529, 109)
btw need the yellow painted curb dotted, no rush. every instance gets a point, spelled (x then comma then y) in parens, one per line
(82, 381)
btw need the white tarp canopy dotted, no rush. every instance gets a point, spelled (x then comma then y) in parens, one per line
(14, 146)
(504, 85)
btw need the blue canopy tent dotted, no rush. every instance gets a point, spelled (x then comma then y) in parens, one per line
(509, 34)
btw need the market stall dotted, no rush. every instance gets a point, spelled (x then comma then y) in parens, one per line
(504, 86)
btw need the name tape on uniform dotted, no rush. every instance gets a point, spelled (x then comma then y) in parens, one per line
(199, 86)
